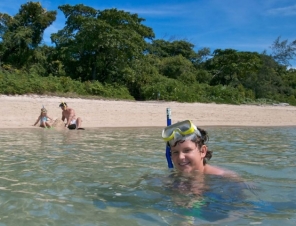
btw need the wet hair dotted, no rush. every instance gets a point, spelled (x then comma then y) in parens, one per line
(198, 140)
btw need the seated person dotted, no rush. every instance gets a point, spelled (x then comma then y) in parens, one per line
(73, 122)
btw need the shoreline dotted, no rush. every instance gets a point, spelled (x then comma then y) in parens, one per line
(22, 112)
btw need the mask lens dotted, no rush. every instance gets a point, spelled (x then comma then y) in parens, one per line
(184, 128)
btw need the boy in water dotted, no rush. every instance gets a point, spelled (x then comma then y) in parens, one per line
(189, 151)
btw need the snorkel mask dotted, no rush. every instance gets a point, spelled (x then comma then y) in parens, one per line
(43, 110)
(184, 130)
(63, 104)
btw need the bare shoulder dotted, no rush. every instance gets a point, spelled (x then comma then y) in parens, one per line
(214, 170)
(70, 110)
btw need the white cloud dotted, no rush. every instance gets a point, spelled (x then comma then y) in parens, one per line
(285, 11)
(164, 10)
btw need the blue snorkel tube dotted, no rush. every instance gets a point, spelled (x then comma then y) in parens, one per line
(168, 150)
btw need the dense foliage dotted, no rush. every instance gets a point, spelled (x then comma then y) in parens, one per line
(112, 54)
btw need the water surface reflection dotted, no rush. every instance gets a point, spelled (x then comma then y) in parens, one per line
(116, 176)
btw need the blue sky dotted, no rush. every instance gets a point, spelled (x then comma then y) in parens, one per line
(244, 25)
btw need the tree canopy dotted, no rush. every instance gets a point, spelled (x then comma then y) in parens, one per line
(98, 44)
(112, 52)
(23, 33)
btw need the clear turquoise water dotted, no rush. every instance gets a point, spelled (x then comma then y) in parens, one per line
(119, 177)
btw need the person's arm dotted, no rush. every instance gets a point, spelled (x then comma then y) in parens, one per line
(49, 117)
(37, 121)
(63, 117)
(70, 117)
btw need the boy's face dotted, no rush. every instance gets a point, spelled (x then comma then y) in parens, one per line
(187, 157)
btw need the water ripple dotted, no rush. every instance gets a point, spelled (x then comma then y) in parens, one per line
(120, 177)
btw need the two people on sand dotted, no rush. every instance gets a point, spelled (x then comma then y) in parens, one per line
(72, 122)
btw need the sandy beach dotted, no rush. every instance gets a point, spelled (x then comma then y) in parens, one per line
(23, 111)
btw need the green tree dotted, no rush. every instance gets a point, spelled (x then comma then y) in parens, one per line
(98, 45)
(178, 67)
(283, 52)
(290, 78)
(230, 67)
(162, 48)
(22, 33)
(142, 73)
(267, 82)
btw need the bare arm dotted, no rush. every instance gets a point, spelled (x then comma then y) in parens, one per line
(71, 116)
(37, 120)
(214, 170)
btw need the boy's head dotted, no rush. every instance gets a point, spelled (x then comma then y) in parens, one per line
(63, 105)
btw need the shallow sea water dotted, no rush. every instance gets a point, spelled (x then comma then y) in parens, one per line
(109, 176)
